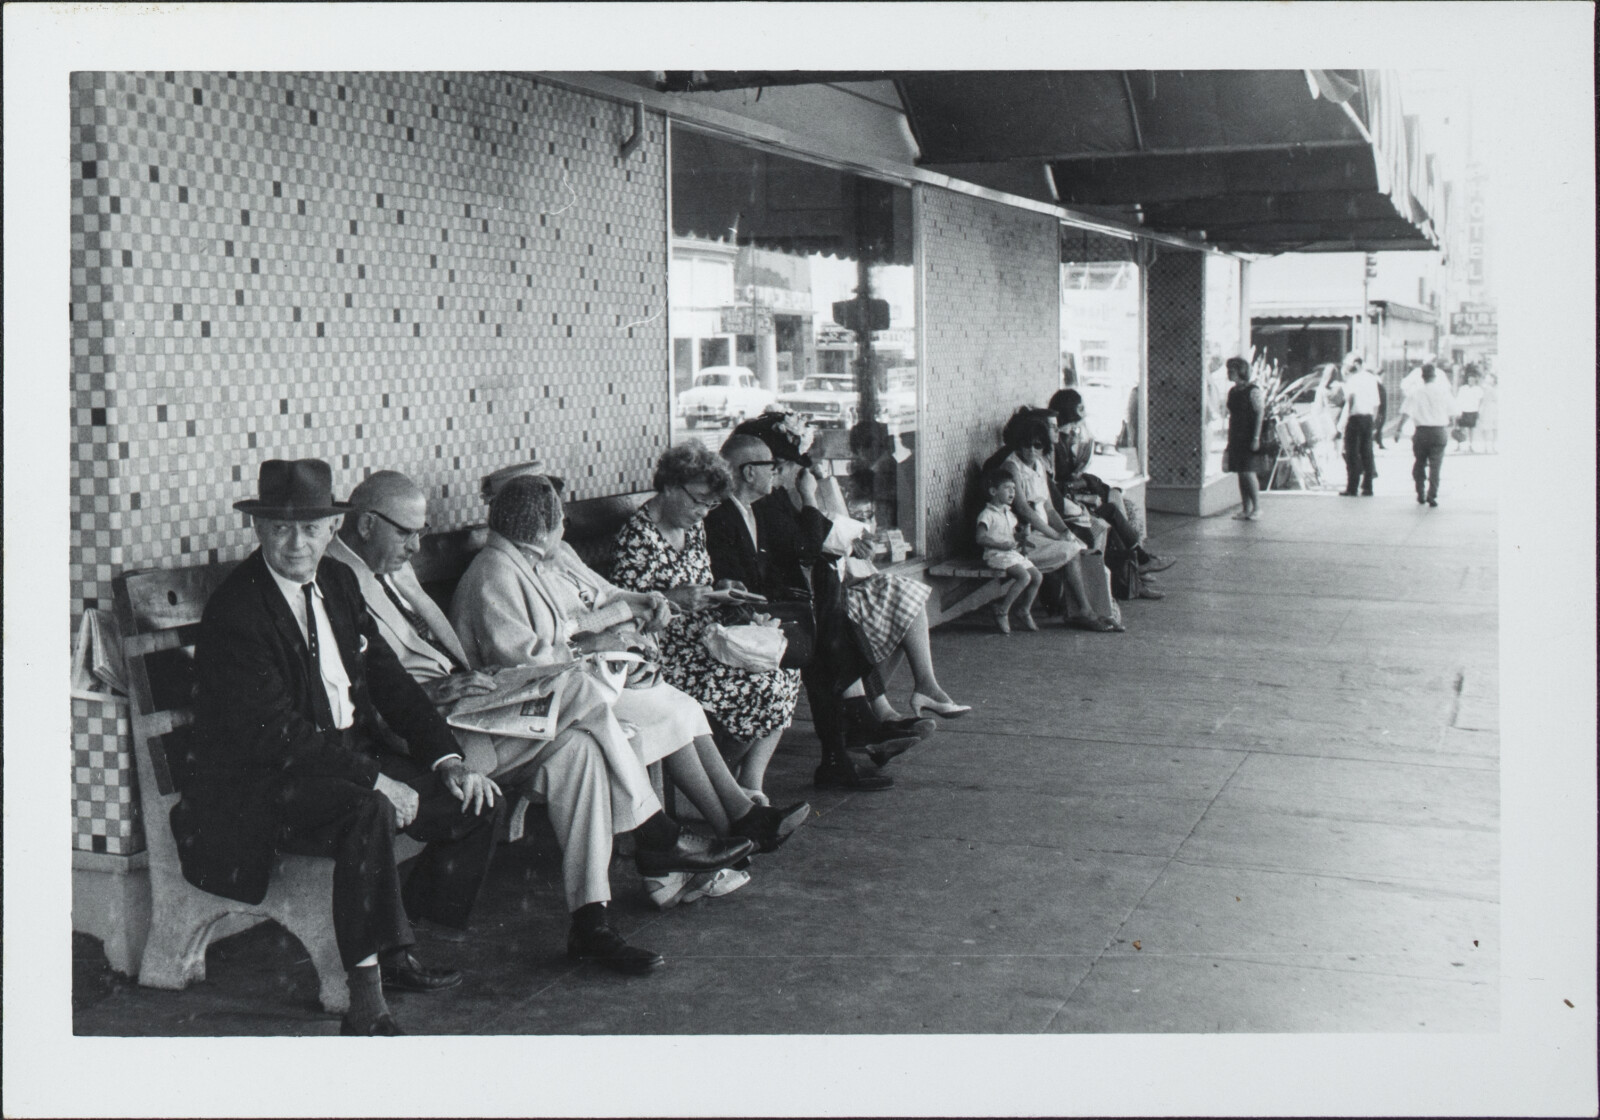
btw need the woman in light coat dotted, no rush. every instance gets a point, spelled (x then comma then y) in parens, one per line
(528, 599)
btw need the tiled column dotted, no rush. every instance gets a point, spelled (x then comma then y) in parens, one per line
(1175, 295)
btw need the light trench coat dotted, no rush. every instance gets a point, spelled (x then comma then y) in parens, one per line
(511, 608)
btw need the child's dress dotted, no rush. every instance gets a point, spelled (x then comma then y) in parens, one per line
(999, 524)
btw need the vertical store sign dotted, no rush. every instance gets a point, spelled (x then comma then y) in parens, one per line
(1475, 220)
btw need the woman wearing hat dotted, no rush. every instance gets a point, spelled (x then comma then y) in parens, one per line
(528, 599)
(888, 613)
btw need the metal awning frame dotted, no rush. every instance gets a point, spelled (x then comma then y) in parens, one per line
(731, 126)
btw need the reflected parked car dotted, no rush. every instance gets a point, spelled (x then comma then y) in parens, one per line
(723, 396)
(825, 400)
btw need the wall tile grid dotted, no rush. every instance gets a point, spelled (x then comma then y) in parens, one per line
(992, 340)
(1175, 290)
(105, 813)
(435, 273)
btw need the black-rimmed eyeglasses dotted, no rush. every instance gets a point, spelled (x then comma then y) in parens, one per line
(408, 534)
(699, 502)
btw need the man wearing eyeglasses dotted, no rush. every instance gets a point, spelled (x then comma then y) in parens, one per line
(587, 801)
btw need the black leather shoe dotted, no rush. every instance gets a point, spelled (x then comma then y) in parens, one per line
(770, 827)
(383, 1026)
(865, 726)
(604, 945)
(1149, 563)
(1347, 493)
(407, 974)
(884, 750)
(692, 852)
(842, 773)
(900, 728)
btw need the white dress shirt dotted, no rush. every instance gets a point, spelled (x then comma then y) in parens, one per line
(334, 678)
(1361, 393)
(1433, 405)
(749, 520)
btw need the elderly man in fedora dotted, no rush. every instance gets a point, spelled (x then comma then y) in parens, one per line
(292, 678)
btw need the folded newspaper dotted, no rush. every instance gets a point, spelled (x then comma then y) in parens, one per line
(527, 699)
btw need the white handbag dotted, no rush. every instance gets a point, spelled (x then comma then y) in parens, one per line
(753, 647)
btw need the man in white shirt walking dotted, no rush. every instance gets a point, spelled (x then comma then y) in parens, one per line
(1431, 408)
(1362, 399)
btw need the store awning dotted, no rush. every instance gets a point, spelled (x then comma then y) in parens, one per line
(1262, 161)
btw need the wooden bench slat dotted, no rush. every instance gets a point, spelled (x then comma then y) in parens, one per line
(159, 599)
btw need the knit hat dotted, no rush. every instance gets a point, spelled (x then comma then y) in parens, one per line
(786, 435)
(525, 508)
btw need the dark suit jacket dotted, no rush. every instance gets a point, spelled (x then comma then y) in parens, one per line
(782, 568)
(256, 735)
(790, 567)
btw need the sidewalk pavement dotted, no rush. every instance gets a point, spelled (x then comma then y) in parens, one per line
(1270, 806)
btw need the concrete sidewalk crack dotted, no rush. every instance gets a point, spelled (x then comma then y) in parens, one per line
(1156, 878)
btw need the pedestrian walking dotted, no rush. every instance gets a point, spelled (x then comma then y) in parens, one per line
(1362, 401)
(1469, 399)
(1431, 407)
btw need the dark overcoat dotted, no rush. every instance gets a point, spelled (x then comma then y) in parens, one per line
(256, 737)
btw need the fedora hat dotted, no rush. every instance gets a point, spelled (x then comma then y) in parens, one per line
(293, 490)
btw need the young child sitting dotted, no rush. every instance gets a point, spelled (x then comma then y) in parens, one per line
(1002, 548)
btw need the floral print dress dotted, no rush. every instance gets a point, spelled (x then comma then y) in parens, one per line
(749, 705)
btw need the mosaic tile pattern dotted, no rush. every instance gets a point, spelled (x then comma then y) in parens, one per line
(992, 292)
(105, 794)
(436, 273)
(1175, 290)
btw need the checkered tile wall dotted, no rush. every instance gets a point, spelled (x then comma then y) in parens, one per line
(1176, 292)
(104, 795)
(992, 341)
(437, 273)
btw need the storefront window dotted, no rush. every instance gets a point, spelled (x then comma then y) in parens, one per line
(1102, 348)
(792, 286)
(1222, 342)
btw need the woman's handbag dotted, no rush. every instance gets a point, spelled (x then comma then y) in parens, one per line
(794, 617)
(755, 646)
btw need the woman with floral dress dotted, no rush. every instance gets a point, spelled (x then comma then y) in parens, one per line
(663, 548)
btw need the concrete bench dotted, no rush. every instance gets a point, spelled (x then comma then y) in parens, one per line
(159, 611)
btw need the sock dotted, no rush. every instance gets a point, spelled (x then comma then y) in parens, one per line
(855, 690)
(589, 916)
(366, 994)
(657, 832)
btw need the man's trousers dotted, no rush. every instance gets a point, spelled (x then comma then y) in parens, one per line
(1427, 450)
(1361, 467)
(355, 826)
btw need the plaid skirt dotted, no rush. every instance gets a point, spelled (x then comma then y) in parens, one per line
(884, 606)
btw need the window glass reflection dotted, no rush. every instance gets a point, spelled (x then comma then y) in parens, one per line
(1222, 342)
(1101, 357)
(792, 286)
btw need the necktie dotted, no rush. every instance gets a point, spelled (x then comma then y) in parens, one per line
(319, 688)
(418, 624)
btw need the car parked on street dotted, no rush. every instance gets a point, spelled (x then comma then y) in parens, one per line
(824, 400)
(723, 396)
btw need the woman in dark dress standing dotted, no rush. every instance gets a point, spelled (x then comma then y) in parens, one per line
(1247, 407)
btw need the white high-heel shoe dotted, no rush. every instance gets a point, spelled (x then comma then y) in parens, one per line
(921, 705)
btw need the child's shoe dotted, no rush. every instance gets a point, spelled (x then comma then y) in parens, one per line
(1027, 621)
(1002, 619)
